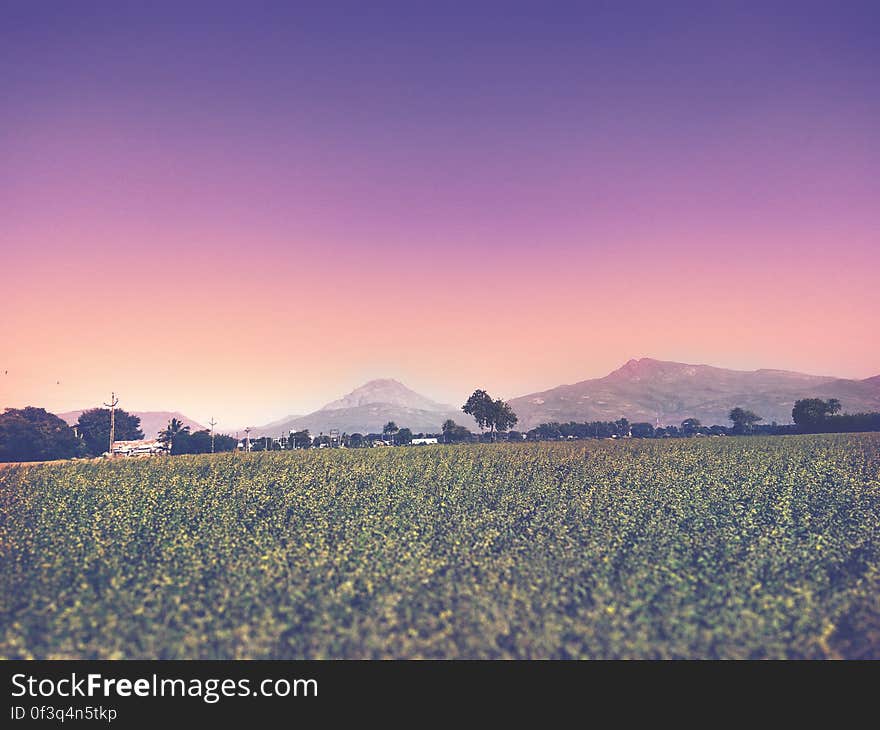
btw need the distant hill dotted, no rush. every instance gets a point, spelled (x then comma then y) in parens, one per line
(151, 421)
(668, 392)
(368, 408)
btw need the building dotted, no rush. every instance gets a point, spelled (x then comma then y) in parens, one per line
(139, 448)
(424, 441)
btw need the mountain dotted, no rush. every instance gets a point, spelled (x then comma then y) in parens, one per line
(151, 421)
(369, 407)
(654, 390)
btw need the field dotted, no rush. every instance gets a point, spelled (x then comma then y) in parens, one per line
(731, 547)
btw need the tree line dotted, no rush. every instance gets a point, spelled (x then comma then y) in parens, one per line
(809, 415)
(34, 434)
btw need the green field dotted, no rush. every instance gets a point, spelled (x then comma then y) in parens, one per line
(729, 547)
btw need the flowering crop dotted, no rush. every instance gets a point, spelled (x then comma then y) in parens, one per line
(730, 547)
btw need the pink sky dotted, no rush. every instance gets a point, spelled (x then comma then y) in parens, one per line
(237, 238)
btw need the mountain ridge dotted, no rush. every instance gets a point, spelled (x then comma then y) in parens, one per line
(667, 392)
(642, 389)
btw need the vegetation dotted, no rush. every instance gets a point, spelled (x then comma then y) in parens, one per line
(753, 548)
(813, 415)
(744, 420)
(94, 428)
(810, 416)
(300, 440)
(455, 434)
(495, 415)
(173, 435)
(199, 442)
(24, 433)
(32, 434)
(389, 430)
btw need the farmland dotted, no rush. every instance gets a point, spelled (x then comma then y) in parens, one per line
(730, 547)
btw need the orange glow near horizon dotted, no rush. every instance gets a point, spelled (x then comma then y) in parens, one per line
(248, 338)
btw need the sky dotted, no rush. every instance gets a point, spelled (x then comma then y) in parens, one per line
(246, 210)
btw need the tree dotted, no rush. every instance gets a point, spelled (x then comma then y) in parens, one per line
(172, 431)
(299, 439)
(743, 420)
(690, 426)
(33, 434)
(480, 406)
(642, 430)
(621, 427)
(547, 431)
(810, 414)
(264, 443)
(496, 415)
(453, 433)
(503, 417)
(389, 429)
(404, 436)
(182, 443)
(94, 428)
(356, 440)
(224, 442)
(198, 442)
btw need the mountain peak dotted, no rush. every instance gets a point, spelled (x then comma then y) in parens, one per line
(387, 391)
(637, 368)
(370, 406)
(382, 383)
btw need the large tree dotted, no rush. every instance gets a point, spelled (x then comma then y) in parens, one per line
(743, 420)
(480, 406)
(33, 434)
(496, 415)
(809, 413)
(503, 417)
(94, 428)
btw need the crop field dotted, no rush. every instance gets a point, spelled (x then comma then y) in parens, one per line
(701, 548)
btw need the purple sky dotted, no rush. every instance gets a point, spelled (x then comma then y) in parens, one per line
(690, 181)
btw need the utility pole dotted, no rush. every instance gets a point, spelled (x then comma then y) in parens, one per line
(114, 401)
(212, 423)
(247, 439)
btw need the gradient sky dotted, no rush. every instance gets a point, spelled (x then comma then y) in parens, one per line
(245, 210)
